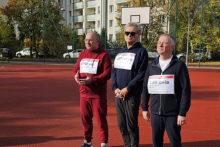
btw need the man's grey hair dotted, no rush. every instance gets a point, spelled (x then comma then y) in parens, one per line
(137, 25)
(173, 40)
(96, 34)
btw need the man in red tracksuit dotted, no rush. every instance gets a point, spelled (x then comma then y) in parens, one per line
(91, 72)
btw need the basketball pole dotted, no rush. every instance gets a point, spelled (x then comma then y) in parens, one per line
(141, 26)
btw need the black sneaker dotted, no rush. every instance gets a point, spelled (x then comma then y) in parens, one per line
(86, 145)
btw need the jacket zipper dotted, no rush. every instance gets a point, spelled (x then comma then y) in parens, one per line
(160, 107)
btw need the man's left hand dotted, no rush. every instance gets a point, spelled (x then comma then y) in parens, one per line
(86, 81)
(124, 91)
(181, 120)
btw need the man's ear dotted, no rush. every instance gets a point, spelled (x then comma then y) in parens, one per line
(172, 48)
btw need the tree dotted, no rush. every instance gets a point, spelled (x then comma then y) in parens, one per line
(27, 16)
(102, 37)
(209, 27)
(7, 35)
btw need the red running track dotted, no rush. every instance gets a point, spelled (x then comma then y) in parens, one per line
(39, 107)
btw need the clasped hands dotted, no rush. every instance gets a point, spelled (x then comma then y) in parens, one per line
(121, 93)
(83, 81)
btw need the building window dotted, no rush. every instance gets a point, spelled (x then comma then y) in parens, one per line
(81, 12)
(111, 8)
(70, 14)
(70, 2)
(98, 10)
(110, 37)
(98, 24)
(110, 23)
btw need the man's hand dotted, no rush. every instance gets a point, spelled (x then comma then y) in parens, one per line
(118, 93)
(181, 120)
(85, 81)
(124, 91)
(146, 115)
(77, 77)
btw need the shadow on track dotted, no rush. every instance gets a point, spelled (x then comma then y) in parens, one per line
(25, 140)
(205, 143)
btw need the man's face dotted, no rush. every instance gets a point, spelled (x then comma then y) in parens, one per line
(164, 46)
(131, 35)
(91, 42)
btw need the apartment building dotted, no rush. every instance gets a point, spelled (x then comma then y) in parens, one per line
(90, 15)
(3, 3)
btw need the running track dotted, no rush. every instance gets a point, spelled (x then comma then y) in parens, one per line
(39, 107)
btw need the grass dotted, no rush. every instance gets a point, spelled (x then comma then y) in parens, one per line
(207, 63)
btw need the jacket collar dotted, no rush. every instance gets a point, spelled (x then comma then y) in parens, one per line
(136, 45)
(155, 61)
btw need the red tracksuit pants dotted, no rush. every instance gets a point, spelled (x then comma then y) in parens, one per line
(97, 107)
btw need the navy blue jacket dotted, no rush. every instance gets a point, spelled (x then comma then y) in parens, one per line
(168, 104)
(132, 79)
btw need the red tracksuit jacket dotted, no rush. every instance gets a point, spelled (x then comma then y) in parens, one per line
(98, 87)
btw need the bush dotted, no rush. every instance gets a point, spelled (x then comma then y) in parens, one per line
(192, 57)
(216, 56)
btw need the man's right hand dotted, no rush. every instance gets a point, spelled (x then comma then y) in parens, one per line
(77, 77)
(146, 115)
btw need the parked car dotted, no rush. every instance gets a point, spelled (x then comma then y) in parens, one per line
(196, 55)
(5, 52)
(73, 54)
(26, 52)
(152, 55)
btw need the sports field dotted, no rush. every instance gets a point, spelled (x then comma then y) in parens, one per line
(39, 107)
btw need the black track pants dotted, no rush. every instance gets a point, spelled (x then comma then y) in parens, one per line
(127, 118)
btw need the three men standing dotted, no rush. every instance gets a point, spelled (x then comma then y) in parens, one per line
(166, 82)
(127, 80)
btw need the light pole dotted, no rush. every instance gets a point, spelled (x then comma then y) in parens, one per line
(190, 13)
(73, 27)
(43, 19)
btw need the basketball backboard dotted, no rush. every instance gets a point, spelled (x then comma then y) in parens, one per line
(135, 14)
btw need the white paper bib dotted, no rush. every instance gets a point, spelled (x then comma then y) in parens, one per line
(124, 61)
(89, 65)
(161, 84)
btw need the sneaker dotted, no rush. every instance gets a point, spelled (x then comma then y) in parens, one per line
(103, 145)
(86, 145)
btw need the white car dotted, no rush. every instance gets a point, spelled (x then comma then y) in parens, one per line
(73, 54)
(24, 52)
(196, 53)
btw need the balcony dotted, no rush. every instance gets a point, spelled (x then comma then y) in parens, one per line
(78, 5)
(91, 4)
(91, 17)
(78, 18)
(122, 1)
(79, 31)
(90, 30)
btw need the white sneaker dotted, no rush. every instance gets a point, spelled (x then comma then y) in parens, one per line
(103, 145)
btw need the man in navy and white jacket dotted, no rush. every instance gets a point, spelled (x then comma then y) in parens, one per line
(167, 82)
(127, 82)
